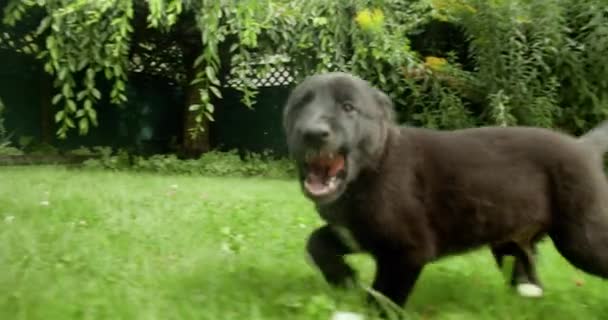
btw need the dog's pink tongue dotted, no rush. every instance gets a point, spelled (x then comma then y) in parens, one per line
(315, 182)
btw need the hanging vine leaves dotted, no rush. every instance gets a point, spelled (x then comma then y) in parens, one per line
(528, 65)
(82, 39)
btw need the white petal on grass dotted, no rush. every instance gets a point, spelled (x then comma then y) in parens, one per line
(344, 315)
(529, 290)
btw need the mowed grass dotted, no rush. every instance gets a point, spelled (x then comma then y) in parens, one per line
(101, 245)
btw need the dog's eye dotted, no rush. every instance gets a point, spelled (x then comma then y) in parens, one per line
(348, 107)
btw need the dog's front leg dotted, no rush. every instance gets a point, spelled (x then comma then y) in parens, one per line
(327, 251)
(395, 276)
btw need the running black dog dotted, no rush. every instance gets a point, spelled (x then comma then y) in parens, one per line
(409, 196)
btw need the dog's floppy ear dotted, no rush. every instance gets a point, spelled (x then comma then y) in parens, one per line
(386, 105)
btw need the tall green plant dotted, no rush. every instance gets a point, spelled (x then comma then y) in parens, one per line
(539, 62)
(582, 65)
(510, 51)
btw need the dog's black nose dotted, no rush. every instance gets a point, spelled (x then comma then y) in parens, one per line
(317, 133)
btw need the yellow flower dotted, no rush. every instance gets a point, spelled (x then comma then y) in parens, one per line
(370, 19)
(434, 63)
(364, 17)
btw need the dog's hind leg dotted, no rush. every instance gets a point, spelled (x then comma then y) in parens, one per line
(523, 276)
(327, 248)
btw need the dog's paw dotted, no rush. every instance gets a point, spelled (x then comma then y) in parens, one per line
(529, 290)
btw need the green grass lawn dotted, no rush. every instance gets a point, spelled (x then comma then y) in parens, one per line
(100, 245)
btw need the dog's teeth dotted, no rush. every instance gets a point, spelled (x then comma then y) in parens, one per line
(331, 184)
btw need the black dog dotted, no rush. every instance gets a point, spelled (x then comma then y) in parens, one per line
(409, 196)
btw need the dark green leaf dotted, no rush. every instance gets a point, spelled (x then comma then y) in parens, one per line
(81, 95)
(216, 92)
(59, 116)
(56, 98)
(71, 105)
(210, 72)
(83, 125)
(210, 107)
(67, 90)
(96, 93)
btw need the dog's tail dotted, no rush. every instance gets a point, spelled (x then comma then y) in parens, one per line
(597, 137)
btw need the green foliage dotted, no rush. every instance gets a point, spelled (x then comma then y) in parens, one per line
(582, 64)
(434, 104)
(82, 38)
(540, 63)
(220, 164)
(164, 14)
(85, 38)
(6, 148)
(512, 60)
(532, 62)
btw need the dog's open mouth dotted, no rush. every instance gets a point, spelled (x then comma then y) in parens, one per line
(324, 172)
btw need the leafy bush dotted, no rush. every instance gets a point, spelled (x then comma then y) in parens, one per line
(540, 63)
(223, 164)
(6, 148)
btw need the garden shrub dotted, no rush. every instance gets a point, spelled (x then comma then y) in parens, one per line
(214, 163)
(6, 145)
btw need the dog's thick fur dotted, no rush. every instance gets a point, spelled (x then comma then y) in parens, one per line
(412, 195)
